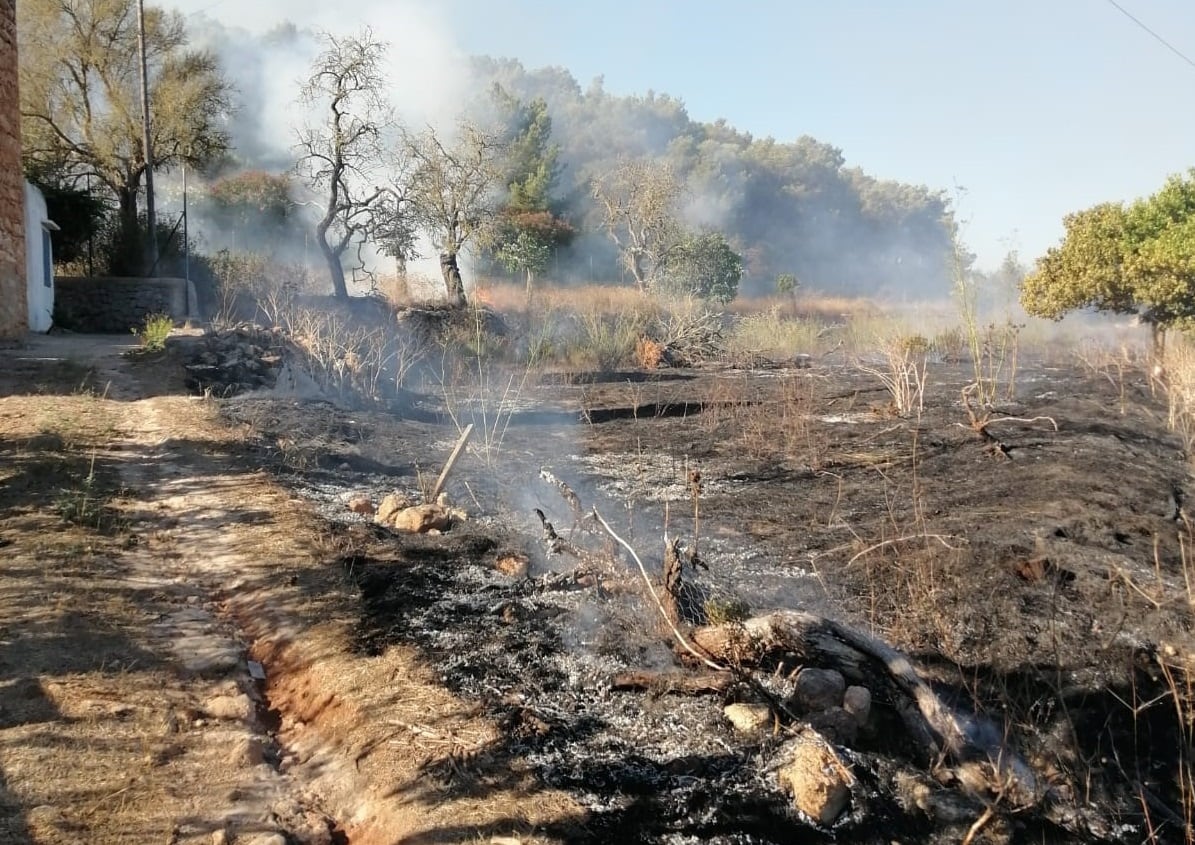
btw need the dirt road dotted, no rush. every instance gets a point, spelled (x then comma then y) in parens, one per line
(145, 564)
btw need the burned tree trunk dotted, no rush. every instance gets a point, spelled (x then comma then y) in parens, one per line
(453, 283)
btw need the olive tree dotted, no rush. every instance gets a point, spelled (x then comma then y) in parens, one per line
(450, 193)
(81, 100)
(638, 202)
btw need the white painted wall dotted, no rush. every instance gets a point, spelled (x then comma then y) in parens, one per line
(39, 264)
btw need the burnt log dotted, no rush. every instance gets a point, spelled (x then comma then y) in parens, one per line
(764, 642)
(675, 683)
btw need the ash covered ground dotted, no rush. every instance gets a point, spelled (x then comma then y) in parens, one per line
(1042, 583)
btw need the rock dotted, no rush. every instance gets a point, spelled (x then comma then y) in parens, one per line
(817, 778)
(836, 724)
(246, 752)
(391, 505)
(230, 707)
(748, 718)
(362, 504)
(264, 839)
(818, 689)
(219, 837)
(857, 702)
(515, 565)
(420, 519)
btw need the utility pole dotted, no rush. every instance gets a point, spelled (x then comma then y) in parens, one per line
(150, 217)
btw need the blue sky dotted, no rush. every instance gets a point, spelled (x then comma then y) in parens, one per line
(1035, 109)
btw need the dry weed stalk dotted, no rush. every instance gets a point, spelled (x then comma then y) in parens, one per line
(651, 589)
(1178, 379)
(902, 372)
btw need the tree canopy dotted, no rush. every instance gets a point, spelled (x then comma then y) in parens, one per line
(450, 193)
(1135, 259)
(789, 206)
(80, 99)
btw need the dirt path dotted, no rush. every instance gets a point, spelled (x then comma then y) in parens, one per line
(126, 638)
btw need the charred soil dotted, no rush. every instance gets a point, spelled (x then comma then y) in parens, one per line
(416, 691)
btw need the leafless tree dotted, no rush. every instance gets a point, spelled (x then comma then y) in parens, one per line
(342, 155)
(450, 190)
(638, 201)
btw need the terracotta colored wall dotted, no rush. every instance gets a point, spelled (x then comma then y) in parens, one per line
(13, 309)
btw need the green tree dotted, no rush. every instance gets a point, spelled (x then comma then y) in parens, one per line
(80, 100)
(527, 253)
(703, 265)
(81, 216)
(253, 201)
(787, 284)
(528, 229)
(1137, 260)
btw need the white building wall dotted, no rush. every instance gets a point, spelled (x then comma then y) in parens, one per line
(39, 263)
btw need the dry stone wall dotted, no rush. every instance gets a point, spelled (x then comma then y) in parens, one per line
(14, 311)
(111, 304)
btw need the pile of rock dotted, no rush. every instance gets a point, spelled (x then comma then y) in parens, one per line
(236, 360)
(811, 770)
(399, 512)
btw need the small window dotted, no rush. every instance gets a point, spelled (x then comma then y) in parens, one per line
(46, 258)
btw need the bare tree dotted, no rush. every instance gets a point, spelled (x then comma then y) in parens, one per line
(638, 202)
(342, 156)
(450, 190)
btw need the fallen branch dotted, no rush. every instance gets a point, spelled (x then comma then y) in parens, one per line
(678, 683)
(941, 538)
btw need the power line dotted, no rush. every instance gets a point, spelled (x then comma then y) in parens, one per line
(1159, 38)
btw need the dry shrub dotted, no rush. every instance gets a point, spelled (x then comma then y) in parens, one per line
(1178, 372)
(901, 368)
(253, 286)
(648, 353)
(820, 307)
(691, 332)
(606, 341)
(770, 335)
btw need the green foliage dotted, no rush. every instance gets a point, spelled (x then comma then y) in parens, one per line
(786, 283)
(704, 266)
(80, 104)
(154, 331)
(1138, 259)
(532, 160)
(789, 207)
(724, 610)
(528, 252)
(253, 197)
(82, 505)
(79, 213)
(1086, 270)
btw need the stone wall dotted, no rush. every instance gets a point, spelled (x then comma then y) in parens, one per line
(107, 304)
(13, 295)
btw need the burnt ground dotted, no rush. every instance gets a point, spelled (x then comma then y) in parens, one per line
(414, 693)
(1044, 585)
